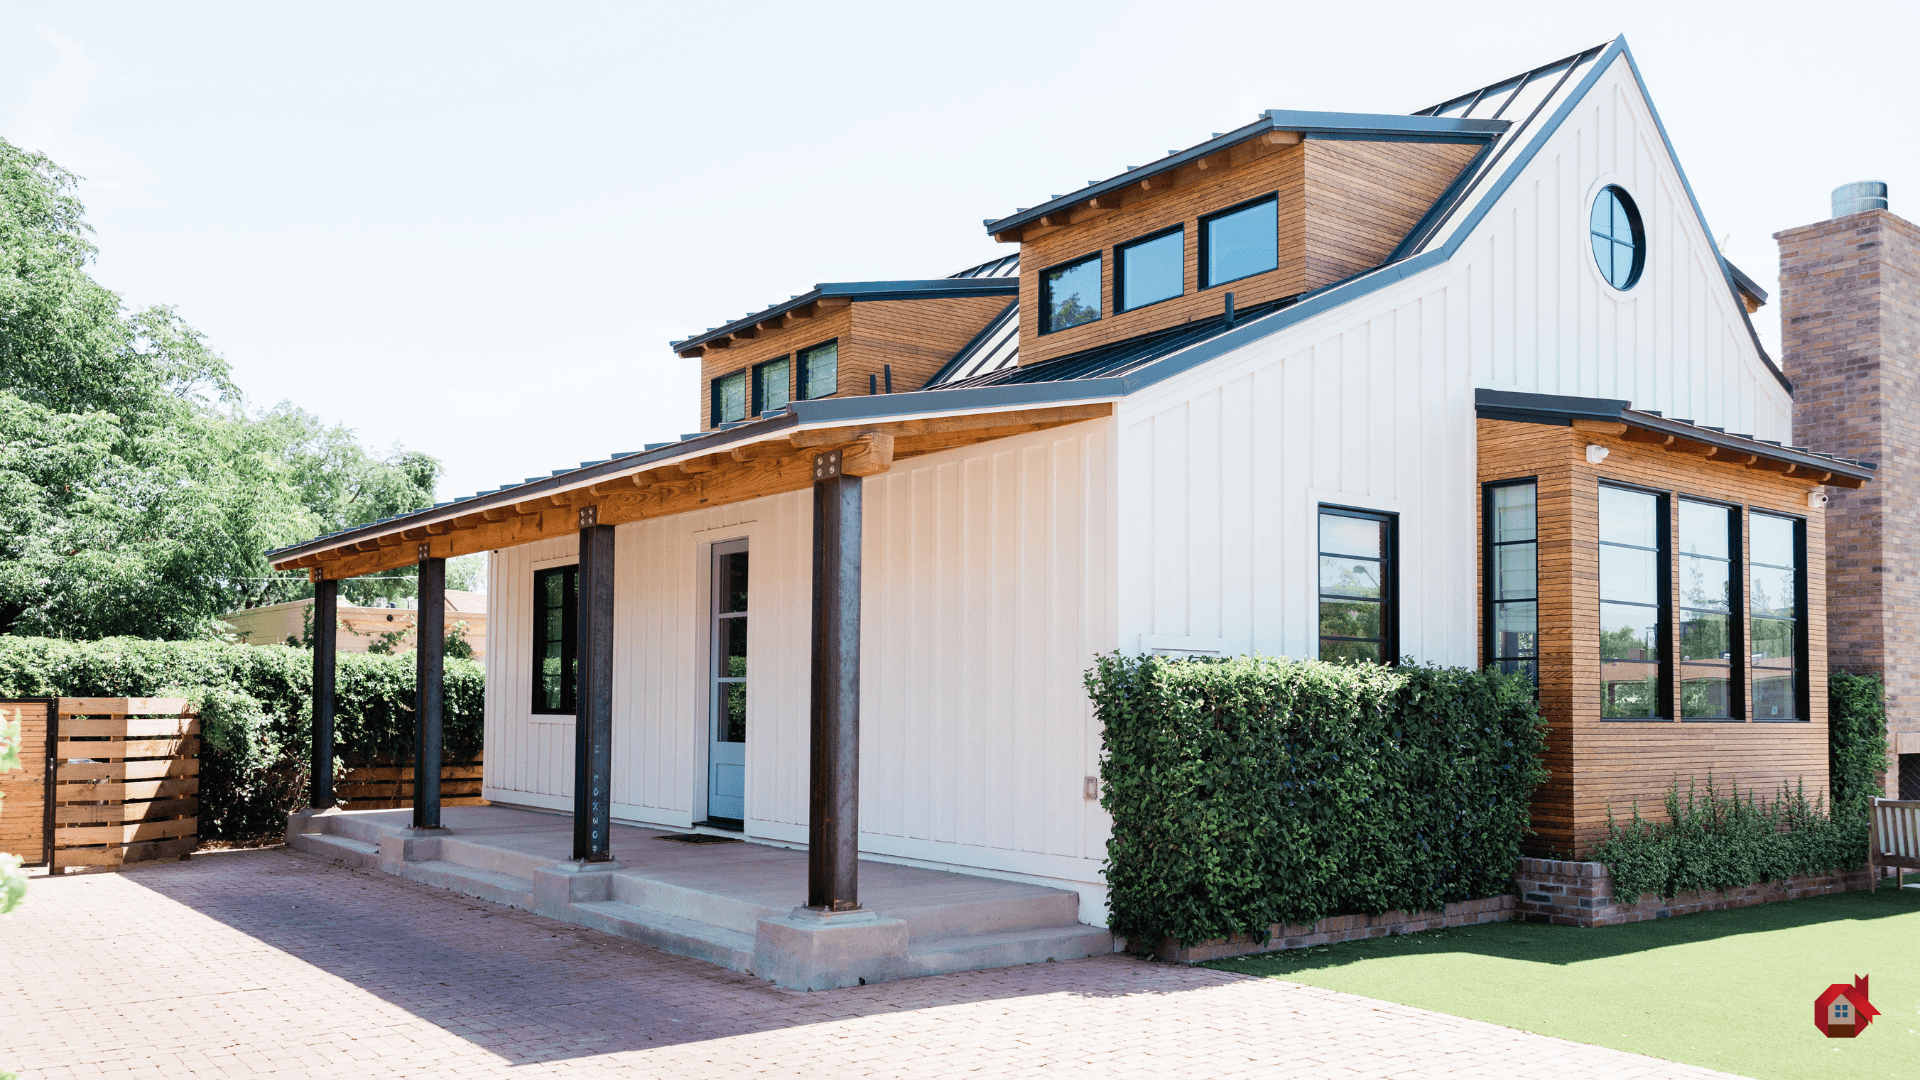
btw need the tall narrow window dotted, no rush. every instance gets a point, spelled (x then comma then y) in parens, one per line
(1151, 270)
(555, 622)
(1357, 587)
(770, 386)
(1779, 613)
(1513, 577)
(727, 741)
(1633, 593)
(1709, 665)
(730, 398)
(1070, 294)
(1240, 241)
(820, 370)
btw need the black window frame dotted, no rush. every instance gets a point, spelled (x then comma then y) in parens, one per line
(713, 392)
(1120, 268)
(1045, 321)
(1634, 222)
(801, 369)
(757, 388)
(1663, 596)
(1390, 569)
(1802, 689)
(1738, 649)
(1489, 655)
(1200, 269)
(569, 638)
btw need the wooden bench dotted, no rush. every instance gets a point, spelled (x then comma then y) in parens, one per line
(1894, 839)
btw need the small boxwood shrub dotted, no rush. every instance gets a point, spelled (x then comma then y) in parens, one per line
(1255, 791)
(256, 710)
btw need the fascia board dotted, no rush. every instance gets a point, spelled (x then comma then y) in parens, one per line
(911, 289)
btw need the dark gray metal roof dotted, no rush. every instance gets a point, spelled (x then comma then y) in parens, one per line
(1746, 284)
(863, 290)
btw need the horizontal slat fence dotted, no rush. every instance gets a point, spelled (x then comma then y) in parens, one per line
(126, 781)
(388, 785)
(23, 792)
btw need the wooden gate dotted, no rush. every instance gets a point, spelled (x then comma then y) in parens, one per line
(25, 821)
(126, 781)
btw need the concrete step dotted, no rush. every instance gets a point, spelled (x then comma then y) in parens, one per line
(481, 856)
(367, 828)
(980, 951)
(346, 849)
(723, 912)
(668, 933)
(473, 881)
(938, 921)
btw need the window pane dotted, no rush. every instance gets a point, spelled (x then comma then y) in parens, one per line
(1773, 591)
(1629, 574)
(1514, 573)
(1629, 517)
(1705, 691)
(1706, 637)
(1629, 632)
(1704, 529)
(1343, 535)
(1071, 294)
(731, 394)
(1347, 651)
(1772, 540)
(733, 717)
(1349, 618)
(1602, 222)
(1514, 627)
(1706, 583)
(1629, 690)
(1774, 695)
(773, 386)
(820, 367)
(733, 581)
(733, 639)
(1513, 513)
(1243, 242)
(1154, 270)
(1349, 577)
(1772, 643)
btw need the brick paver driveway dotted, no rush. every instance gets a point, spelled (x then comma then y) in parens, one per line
(267, 963)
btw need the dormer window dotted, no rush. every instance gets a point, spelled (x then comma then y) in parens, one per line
(730, 398)
(1240, 241)
(820, 370)
(770, 386)
(1150, 270)
(1070, 294)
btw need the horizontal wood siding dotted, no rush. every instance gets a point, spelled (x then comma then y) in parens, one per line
(1363, 198)
(828, 325)
(23, 791)
(917, 337)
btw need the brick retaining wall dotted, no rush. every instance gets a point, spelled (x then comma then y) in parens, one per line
(1342, 928)
(1581, 894)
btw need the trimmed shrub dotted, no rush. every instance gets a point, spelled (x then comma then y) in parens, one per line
(256, 710)
(1255, 791)
(1856, 741)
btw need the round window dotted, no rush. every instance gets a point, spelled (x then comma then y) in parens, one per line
(1619, 241)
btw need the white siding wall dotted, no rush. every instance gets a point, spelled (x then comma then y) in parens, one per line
(528, 758)
(1372, 404)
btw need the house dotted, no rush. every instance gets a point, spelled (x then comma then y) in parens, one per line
(1842, 1011)
(1353, 386)
(359, 628)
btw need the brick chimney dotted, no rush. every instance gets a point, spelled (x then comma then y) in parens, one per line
(1850, 343)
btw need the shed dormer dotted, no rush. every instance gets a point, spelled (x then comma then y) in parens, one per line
(843, 339)
(1283, 206)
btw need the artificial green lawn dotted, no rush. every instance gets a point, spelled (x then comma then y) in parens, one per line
(1728, 990)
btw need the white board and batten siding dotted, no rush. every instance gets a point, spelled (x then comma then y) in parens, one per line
(1371, 404)
(987, 580)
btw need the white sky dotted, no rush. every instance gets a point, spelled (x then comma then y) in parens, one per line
(472, 228)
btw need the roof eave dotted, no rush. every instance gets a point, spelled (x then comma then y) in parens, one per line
(859, 291)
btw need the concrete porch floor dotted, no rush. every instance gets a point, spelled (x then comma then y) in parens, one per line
(733, 905)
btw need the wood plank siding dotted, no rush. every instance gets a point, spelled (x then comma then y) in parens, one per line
(1600, 764)
(829, 324)
(1343, 206)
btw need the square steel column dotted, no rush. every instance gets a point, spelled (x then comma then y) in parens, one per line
(326, 623)
(593, 693)
(430, 665)
(833, 827)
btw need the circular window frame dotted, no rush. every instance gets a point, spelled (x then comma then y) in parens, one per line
(1642, 243)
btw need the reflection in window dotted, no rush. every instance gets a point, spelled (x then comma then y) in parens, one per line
(1148, 271)
(1513, 600)
(1240, 242)
(1070, 295)
(770, 386)
(1709, 687)
(1777, 616)
(820, 370)
(1632, 561)
(1356, 587)
(730, 398)
(555, 596)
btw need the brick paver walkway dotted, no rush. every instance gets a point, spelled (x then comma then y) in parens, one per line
(268, 963)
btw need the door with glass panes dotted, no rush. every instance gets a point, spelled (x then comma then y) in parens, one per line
(727, 710)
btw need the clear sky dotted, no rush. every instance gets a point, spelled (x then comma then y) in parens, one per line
(472, 228)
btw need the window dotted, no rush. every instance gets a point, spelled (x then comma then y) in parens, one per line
(730, 398)
(1710, 675)
(555, 595)
(1512, 577)
(1779, 607)
(770, 386)
(820, 370)
(1151, 270)
(1619, 242)
(1070, 294)
(1357, 591)
(730, 643)
(1239, 242)
(1633, 597)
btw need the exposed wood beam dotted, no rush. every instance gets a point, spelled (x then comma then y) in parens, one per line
(1281, 138)
(834, 302)
(1736, 457)
(720, 342)
(870, 455)
(1688, 446)
(1601, 427)
(1642, 435)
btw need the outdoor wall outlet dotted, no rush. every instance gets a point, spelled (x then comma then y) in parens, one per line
(1093, 787)
(1596, 453)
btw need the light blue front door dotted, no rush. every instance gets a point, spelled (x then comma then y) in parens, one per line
(727, 725)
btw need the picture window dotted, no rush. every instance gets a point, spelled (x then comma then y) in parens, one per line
(1070, 294)
(1240, 241)
(1150, 270)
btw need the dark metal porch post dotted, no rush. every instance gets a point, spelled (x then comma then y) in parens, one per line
(593, 693)
(430, 646)
(326, 609)
(833, 829)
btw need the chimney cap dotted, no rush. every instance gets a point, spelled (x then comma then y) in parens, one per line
(1859, 197)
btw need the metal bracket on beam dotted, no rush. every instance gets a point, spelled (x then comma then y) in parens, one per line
(426, 552)
(589, 516)
(826, 466)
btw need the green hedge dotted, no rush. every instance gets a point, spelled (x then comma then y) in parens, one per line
(1856, 740)
(1255, 791)
(256, 711)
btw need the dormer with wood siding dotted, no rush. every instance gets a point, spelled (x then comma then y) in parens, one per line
(875, 332)
(1347, 190)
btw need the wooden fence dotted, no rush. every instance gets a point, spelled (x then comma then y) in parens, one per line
(23, 792)
(126, 781)
(387, 785)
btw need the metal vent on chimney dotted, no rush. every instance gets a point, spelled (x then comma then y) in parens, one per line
(1859, 198)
